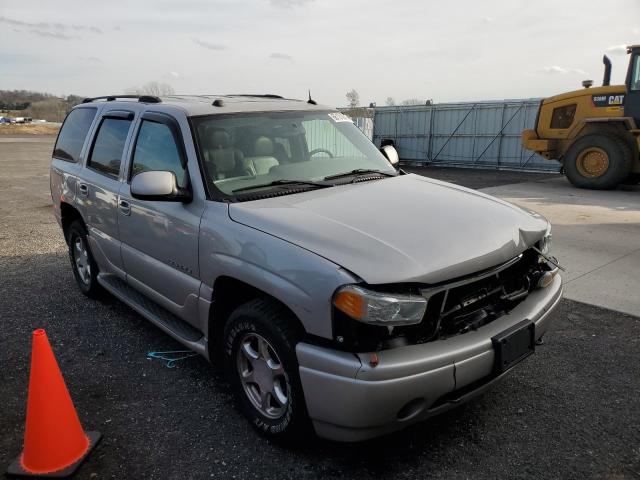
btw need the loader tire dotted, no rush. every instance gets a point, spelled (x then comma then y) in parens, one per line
(598, 161)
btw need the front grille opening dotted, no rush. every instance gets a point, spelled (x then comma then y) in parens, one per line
(468, 306)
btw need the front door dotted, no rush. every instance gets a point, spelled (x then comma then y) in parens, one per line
(632, 100)
(99, 188)
(160, 238)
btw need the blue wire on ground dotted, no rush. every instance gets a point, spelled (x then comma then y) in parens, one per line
(170, 356)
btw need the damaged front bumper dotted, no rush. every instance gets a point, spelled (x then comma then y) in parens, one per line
(349, 397)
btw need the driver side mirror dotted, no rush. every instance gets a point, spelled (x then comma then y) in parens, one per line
(391, 155)
(158, 185)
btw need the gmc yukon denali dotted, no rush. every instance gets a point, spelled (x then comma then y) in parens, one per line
(339, 292)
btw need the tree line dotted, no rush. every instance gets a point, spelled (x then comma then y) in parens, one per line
(353, 100)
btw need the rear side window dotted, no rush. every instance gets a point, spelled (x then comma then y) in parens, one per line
(108, 146)
(73, 133)
(156, 149)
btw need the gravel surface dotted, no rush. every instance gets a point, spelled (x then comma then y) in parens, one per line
(570, 411)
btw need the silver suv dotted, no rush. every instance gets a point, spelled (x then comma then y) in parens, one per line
(339, 292)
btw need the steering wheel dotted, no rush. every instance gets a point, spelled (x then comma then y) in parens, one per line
(320, 150)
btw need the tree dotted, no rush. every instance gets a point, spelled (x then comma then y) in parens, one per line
(156, 89)
(353, 98)
(413, 101)
(390, 102)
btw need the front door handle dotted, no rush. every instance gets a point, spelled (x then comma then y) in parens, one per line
(83, 189)
(124, 207)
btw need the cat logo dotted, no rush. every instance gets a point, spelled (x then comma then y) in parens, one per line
(607, 100)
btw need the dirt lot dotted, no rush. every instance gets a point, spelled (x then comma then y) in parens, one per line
(571, 411)
(29, 129)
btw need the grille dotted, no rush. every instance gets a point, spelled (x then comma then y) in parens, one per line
(460, 306)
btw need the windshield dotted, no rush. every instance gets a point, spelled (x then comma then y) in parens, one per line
(246, 150)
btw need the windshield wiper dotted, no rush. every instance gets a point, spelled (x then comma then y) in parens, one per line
(359, 171)
(276, 183)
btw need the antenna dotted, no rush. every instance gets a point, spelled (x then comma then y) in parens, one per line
(311, 101)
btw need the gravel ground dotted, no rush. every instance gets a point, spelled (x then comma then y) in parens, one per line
(570, 411)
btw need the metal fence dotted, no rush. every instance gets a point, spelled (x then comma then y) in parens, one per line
(365, 124)
(480, 134)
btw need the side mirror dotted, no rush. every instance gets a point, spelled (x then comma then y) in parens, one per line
(391, 154)
(158, 185)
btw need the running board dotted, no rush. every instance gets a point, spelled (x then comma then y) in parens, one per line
(149, 309)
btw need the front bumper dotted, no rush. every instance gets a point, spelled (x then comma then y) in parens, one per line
(544, 147)
(350, 400)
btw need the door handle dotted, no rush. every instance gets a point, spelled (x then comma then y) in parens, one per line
(124, 207)
(83, 189)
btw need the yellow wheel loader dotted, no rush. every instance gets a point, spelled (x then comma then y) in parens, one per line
(593, 132)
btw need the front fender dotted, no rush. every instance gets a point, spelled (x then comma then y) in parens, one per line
(300, 279)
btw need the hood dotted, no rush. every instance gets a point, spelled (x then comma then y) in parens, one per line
(407, 228)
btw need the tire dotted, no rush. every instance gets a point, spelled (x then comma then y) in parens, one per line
(277, 379)
(598, 161)
(84, 267)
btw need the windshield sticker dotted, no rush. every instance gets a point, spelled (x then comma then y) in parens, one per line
(339, 117)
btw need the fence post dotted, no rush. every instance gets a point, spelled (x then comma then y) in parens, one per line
(501, 136)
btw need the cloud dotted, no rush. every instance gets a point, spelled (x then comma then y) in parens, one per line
(208, 45)
(289, 3)
(43, 27)
(44, 33)
(281, 56)
(555, 69)
(617, 49)
(90, 59)
(487, 19)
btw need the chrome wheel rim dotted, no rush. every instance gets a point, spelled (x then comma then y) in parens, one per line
(81, 259)
(262, 375)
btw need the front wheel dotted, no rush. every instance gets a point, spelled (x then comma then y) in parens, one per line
(260, 360)
(598, 161)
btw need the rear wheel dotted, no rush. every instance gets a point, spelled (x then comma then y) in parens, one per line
(260, 361)
(598, 161)
(85, 269)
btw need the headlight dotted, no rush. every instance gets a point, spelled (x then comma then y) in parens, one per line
(545, 243)
(389, 309)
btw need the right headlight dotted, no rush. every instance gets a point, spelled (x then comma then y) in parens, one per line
(388, 309)
(545, 242)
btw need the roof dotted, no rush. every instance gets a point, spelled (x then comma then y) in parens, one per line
(195, 105)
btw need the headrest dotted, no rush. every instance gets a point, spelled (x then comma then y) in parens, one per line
(263, 147)
(220, 139)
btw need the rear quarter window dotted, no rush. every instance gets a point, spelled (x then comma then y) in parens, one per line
(73, 134)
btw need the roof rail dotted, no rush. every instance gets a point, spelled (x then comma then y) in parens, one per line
(112, 98)
(265, 95)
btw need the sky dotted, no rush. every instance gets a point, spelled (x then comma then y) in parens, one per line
(464, 50)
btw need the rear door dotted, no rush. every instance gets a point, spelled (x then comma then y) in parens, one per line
(160, 238)
(100, 185)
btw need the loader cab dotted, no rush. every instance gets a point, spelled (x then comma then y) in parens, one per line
(632, 100)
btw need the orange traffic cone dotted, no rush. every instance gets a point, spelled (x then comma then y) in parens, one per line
(54, 442)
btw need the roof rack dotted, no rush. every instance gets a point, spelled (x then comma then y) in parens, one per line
(112, 98)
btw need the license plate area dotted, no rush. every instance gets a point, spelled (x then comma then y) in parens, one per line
(513, 345)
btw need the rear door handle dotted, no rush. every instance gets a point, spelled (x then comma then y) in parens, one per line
(124, 207)
(83, 189)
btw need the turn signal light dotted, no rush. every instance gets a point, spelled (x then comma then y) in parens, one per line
(351, 303)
